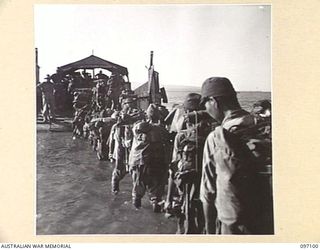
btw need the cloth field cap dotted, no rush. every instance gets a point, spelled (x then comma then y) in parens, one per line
(192, 102)
(217, 86)
(153, 111)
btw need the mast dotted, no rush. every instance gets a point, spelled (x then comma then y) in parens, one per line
(151, 59)
(37, 67)
(153, 82)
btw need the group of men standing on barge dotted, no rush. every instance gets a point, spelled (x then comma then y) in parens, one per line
(57, 93)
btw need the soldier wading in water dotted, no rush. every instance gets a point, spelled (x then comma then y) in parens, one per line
(185, 168)
(149, 159)
(120, 140)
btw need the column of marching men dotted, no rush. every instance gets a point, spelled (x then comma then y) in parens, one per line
(206, 163)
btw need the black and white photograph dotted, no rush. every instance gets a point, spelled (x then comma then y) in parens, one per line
(153, 119)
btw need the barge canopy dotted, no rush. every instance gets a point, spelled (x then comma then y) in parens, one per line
(92, 62)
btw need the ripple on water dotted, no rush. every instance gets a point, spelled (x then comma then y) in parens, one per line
(74, 193)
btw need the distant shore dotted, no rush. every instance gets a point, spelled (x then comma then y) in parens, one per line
(186, 88)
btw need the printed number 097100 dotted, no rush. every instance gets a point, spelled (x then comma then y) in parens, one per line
(308, 245)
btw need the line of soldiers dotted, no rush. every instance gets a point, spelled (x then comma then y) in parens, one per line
(213, 156)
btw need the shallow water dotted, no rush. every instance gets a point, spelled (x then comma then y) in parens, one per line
(74, 195)
(73, 187)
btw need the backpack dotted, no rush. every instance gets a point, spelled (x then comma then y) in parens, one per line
(258, 139)
(149, 148)
(244, 176)
(190, 149)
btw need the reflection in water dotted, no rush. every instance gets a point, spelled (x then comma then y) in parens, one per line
(74, 195)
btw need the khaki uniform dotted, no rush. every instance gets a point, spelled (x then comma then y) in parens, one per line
(148, 160)
(120, 141)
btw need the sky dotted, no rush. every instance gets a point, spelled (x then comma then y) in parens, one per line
(190, 42)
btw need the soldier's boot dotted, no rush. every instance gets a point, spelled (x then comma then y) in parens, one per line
(100, 156)
(168, 210)
(45, 118)
(90, 140)
(136, 202)
(115, 187)
(181, 224)
(156, 207)
(95, 145)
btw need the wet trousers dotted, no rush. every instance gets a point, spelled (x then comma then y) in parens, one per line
(143, 181)
(119, 170)
(191, 217)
